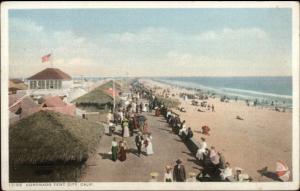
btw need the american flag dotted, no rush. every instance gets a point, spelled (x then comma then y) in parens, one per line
(46, 58)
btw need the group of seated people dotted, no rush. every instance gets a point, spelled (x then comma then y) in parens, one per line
(215, 168)
(206, 107)
(179, 126)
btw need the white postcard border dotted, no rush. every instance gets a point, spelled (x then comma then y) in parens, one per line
(146, 186)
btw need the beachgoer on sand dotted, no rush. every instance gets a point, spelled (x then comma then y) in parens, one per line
(205, 130)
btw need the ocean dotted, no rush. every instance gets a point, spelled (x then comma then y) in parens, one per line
(266, 90)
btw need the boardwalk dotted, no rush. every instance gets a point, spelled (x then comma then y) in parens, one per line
(167, 148)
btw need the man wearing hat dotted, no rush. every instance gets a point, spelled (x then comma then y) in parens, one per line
(179, 174)
(139, 142)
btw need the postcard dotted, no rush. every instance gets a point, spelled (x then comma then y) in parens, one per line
(150, 95)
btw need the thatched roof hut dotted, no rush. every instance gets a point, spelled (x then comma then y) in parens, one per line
(49, 137)
(109, 84)
(99, 98)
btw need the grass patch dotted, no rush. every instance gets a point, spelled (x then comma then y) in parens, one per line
(168, 102)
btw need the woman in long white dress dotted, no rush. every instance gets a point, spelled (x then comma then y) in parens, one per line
(126, 130)
(144, 108)
(201, 150)
(148, 145)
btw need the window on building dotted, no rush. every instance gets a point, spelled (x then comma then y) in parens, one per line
(43, 84)
(59, 84)
(33, 84)
(51, 84)
(47, 84)
(55, 84)
(39, 84)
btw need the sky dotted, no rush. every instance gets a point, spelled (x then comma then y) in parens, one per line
(152, 42)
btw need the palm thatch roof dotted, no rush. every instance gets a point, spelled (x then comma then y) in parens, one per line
(98, 97)
(109, 84)
(47, 137)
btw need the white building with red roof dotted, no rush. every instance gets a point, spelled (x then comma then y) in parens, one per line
(50, 81)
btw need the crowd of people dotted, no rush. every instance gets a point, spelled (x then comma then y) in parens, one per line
(127, 121)
(214, 166)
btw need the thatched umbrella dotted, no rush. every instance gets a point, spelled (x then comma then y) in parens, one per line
(49, 137)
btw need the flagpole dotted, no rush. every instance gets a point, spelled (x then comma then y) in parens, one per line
(114, 95)
(51, 60)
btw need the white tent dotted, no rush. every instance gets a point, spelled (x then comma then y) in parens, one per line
(76, 93)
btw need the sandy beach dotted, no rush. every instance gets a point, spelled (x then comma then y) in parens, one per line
(258, 141)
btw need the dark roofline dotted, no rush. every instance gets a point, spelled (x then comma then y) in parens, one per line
(50, 74)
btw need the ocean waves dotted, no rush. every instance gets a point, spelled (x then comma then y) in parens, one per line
(224, 88)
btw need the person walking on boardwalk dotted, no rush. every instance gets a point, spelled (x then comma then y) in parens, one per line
(125, 128)
(138, 142)
(122, 150)
(131, 126)
(168, 174)
(148, 145)
(133, 107)
(141, 107)
(145, 127)
(114, 149)
(137, 108)
(179, 174)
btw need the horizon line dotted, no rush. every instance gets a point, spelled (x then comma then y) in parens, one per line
(99, 76)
